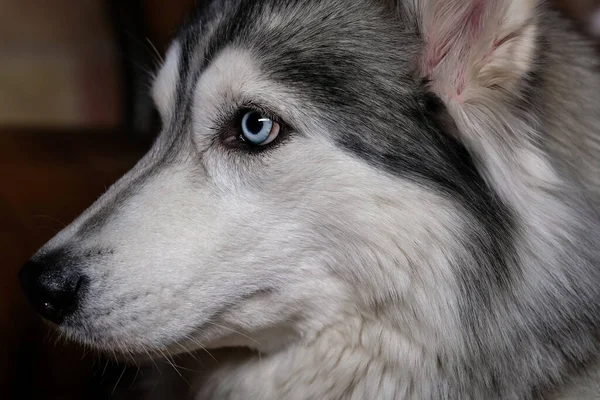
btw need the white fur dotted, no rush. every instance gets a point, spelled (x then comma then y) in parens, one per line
(164, 89)
(280, 254)
(192, 264)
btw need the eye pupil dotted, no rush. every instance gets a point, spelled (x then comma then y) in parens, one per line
(254, 124)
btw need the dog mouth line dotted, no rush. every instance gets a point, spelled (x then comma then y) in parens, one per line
(79, 330)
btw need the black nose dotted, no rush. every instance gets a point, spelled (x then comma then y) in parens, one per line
(52, 284)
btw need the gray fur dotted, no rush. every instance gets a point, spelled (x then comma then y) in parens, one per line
(497, 296)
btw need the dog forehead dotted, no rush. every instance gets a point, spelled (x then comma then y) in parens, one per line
(332, 54)
(313, 43)
(349, 66)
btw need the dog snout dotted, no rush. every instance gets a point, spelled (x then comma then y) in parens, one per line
(53, 285)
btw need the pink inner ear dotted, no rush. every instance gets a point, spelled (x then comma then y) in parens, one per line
(454, 30)
(476, 16)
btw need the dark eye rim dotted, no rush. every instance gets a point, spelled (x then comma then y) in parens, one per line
(231, 135)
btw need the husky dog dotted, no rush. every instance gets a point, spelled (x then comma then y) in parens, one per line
(382, 199)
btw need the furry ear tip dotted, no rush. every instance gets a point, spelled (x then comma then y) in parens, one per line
(476, 44)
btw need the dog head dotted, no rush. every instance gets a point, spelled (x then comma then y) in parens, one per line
(308, 169)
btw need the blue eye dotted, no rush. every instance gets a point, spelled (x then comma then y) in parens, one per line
(258, 129)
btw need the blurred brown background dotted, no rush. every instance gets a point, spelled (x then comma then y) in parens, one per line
(74, 115)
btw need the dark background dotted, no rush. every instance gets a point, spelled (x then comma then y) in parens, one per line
(75, 115)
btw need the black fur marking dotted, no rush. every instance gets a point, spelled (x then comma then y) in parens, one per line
(346, 67)
(355, 71)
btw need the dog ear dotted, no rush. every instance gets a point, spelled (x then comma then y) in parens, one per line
(474, 46)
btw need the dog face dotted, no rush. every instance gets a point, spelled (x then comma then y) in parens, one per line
(304, 173)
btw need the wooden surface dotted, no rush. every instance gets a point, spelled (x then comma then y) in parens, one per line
(48, 178)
